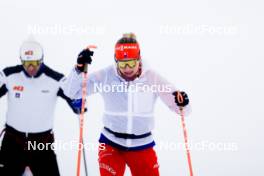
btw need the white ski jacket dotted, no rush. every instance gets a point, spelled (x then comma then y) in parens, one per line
(31, 101)
(128, 106)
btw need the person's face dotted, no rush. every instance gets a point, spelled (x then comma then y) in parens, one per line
(129, 68)
(31, 67)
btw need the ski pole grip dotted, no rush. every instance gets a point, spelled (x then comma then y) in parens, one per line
(179, 97)
(89, 47)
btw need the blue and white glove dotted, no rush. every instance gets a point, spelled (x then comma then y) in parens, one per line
(77, 106)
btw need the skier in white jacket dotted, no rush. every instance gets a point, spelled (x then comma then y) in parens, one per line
(129, 90)
(32, 89)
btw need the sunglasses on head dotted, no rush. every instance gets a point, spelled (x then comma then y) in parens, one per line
(129, 63)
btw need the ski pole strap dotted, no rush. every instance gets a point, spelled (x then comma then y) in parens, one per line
(127, 136)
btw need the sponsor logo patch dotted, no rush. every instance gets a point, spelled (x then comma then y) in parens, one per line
(18, 88)
(17, 95)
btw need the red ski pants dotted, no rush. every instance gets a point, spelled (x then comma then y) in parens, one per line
(112, 161)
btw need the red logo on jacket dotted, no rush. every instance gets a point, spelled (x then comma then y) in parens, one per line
(18, 88)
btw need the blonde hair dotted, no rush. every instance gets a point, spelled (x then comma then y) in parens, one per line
(130, 35)
(128, 38)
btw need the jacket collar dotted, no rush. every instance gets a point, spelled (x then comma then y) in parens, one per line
(39, 73)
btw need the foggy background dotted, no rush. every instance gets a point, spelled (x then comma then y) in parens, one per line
(210, 49)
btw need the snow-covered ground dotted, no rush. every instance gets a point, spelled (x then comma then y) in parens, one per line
(211, 49)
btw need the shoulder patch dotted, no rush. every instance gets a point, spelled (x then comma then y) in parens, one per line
(12, 70)
(53, 74)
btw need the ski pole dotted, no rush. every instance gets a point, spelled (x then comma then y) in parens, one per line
(180, 99)
(84, 93)
(84, 82)
(2, 132)
(84, 160)
(84, 157)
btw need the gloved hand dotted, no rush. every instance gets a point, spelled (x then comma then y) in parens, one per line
(77, 106)
(85, 57)
(181, 98)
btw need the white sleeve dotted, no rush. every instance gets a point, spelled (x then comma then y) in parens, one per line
(73, 85)
(165, 92)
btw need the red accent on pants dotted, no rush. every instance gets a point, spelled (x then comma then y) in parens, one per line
(112, 161)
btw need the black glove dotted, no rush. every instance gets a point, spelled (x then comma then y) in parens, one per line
(181, 98)
(85, 57)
